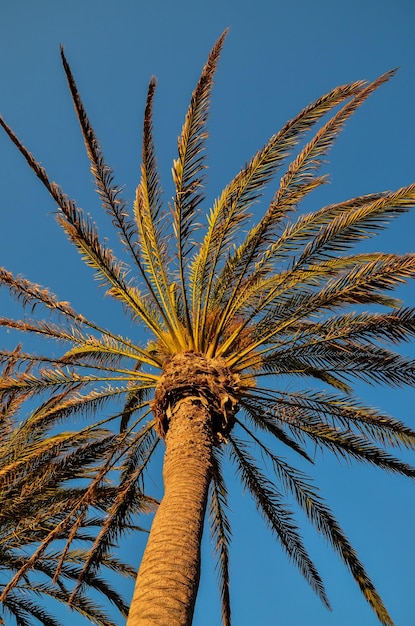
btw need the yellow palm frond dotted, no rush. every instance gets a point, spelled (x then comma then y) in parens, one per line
(151, 223)
(188, 167)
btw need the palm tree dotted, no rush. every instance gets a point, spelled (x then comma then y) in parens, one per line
(231, 314)
(40, 483)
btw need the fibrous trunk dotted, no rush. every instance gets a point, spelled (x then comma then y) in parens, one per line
(194, 409)
(168, 578)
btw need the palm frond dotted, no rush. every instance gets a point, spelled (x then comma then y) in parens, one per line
(220, 532)
(23, 609)
(270, 504)
(361, 285)
(261, 412)
(286, 295)
(137, 399)
(321, 517)
(354, 222)
(109, 193)
(33, 294)
(151, 225)
(34, 468)
(307, 226)
(246, 187)
(348, 413)
(98, 350)
(325, 522)
(111, 272)
(391, 327)
(129, 501)
(82, 233)
(302, 169)
(299, 180)
(189, 166)
(344, 360)
(345, 444)
(30, 293)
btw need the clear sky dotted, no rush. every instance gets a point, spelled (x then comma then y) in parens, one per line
(278, 57)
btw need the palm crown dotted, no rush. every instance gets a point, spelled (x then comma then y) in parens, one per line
(231, 313)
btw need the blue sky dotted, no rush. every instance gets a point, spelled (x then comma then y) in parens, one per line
(277, 58)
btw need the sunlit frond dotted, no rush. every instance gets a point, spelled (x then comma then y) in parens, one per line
(189, 166)
(247, 186)
(130, 501)
(299, 179)
(108, 192)
(83, 234)
(34, 467)
(33, 294)
(151, 220)
(261, 412)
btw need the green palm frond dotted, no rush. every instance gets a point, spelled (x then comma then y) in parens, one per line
(336, 228)
(147, 206)
(220, 532)
(363, 284)
(309, 500)
(270, 503)
(301, 171)
(128, 503)
(315, 264)
(36, 467)
(111, 272)
(247, 185)
(350, 360)
(298, 181)
(348, 445)
(347, 413)
(82, 232)
(29, 293)
(359, 220)
(24, 609)
(260, 413)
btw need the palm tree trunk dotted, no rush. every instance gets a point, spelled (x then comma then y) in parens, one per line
(168, 578)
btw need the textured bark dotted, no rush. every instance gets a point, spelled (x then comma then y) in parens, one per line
(168, 577)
